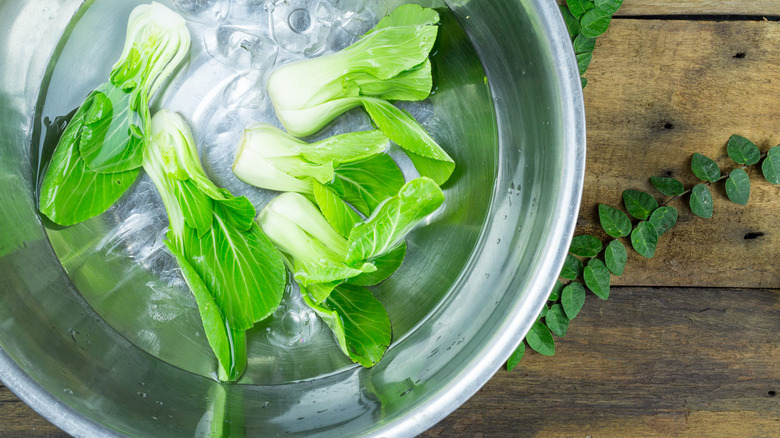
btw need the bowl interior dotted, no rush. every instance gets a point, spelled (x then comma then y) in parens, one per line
(507, 106)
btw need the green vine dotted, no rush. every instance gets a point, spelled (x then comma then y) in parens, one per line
(590, 263)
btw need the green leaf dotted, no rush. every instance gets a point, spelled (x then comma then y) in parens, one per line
(388, 226)
(227, 345)
(365, 184)
(579, 7)
(555, 294)
(572, 24)
(738, 186)
(668, 186)
(771, 165)
(112, 138)
(386, 265)
(364, 321)
(584, 45)
(336, 212)
(608, 7)
(614, 222)
(584, 82)
(616, 257)
(540, 339)
(594, 23)
(71, 192)
(585, 246)
(705, 168)
(742, 150)
(543, 313)
(644, 239)
(583, 61)
(407, 15)
(572, 299)
(556, 320)
(399, 126)
(639, 204)
(597, 278)
(572, 267)
(663, 219)
(516, 357)
(701, 201)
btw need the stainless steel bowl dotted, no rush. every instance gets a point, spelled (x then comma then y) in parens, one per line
(483, 268)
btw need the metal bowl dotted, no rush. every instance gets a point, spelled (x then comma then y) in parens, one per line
(509, 107)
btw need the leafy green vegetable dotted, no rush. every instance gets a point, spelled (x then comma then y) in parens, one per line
(365, 184)
(555, 294)
(101, 150)
(594, 23)
(235, 274)
(516, 357)
(644, 239)
(596, 276)
(584, 44)
(667, 186)
(639, 204)
(614, 222)
(272, 159)
(585, 245)
(386, 265)
(771, 165)
(583, 61)
(579, 7)
(742, 150)
(393, 219)
(701, 201)
(705, 168)
(359, 322)
(615, 257)
(389, 63)
(738, 186)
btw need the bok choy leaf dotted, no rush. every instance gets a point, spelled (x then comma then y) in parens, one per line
(101, 150)
(233, 270)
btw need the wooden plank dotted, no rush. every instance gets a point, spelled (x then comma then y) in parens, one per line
(659, 91)
(17, 420)
(647, 362)
(769, 8)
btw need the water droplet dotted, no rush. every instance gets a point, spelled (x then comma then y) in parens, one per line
(67, 391)
(299, 20)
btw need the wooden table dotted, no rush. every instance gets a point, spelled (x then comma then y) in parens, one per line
(688, 342)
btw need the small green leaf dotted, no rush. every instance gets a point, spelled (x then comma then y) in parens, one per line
(572, 24)
(644, 239)
(584, 81)
(579, 7)
(616, 257)
(771, 165)
(584, 44)
(585, 246)
(583, 61)
(556, 291)
(557, 321)
(572, 267)
(543, 313)
(668, 186)
(701, 201)
(742, 150)
(594, 23)
(614, 221)
(516, 357)
(639, 204)
(597, 279)
(663, 219)
(608, 7)
(540, 339)
(572, 299)
(705, 168)
(738, 186)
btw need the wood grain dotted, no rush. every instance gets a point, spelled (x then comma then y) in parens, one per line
(659, 91)
(648, 362)
(769, 8)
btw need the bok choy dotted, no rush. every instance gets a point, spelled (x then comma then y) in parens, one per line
(389, 63)
(332, 269)
(233, 270)
(100, 152)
